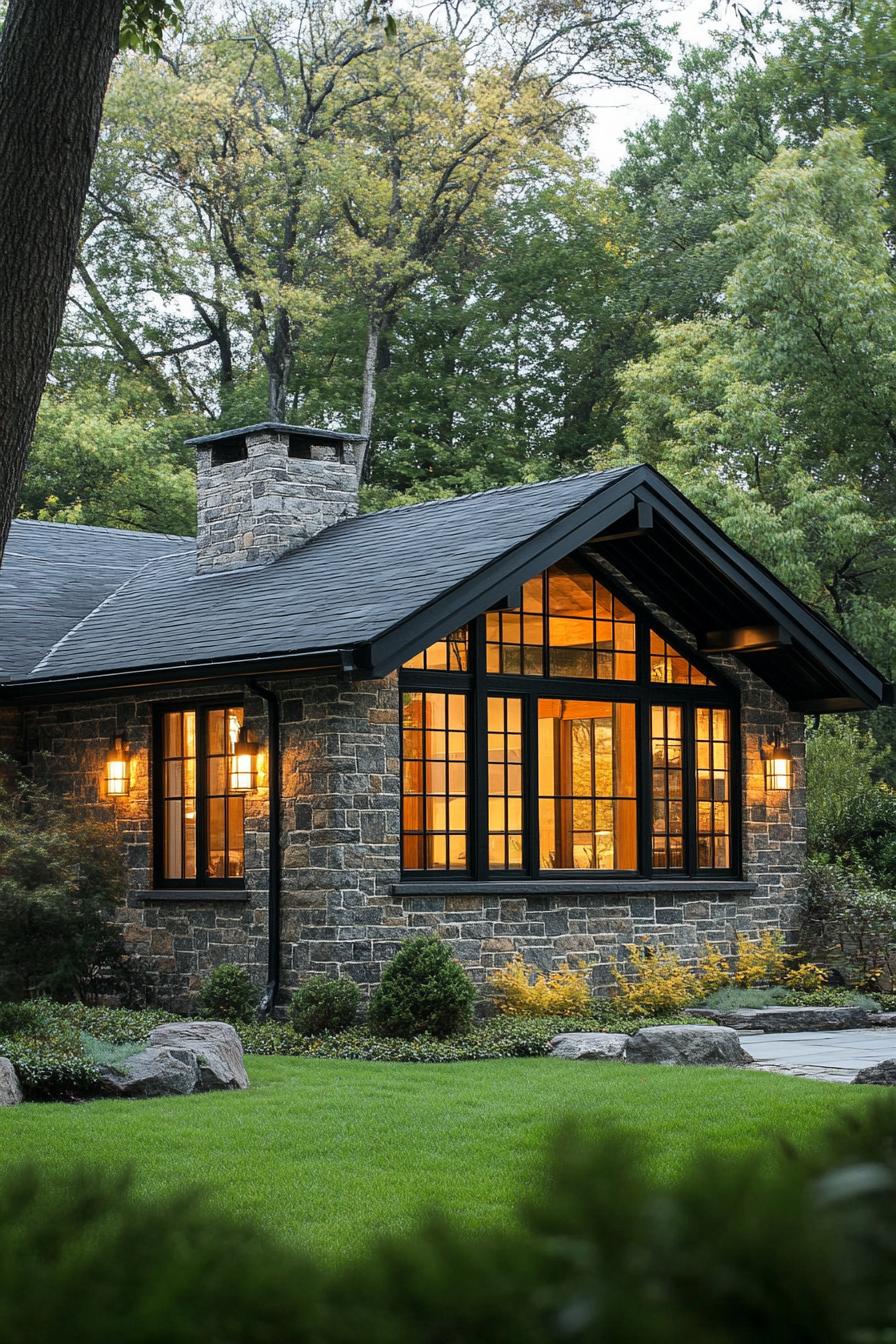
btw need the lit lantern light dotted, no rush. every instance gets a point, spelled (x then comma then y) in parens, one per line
(118, 770)
(778, 760)
(243, 762)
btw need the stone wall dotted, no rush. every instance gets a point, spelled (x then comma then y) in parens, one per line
(341, 909)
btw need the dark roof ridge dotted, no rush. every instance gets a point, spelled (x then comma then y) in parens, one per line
(493, 490)
(115, 531)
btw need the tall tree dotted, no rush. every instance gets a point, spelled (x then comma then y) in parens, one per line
(777, 414)
(285, 162)
(55, 59)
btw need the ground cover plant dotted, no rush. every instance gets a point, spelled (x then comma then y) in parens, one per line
(328, 1154)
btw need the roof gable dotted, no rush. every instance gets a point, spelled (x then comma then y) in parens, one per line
(373, 590)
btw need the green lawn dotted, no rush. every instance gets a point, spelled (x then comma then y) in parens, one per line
(329, 1153)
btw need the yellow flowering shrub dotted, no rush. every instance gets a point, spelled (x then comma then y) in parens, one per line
(659, 983)
(806, 977)
(713, 969)
(763, 962)
(521, 990)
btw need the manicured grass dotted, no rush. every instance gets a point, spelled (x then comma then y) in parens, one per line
(330, 1153)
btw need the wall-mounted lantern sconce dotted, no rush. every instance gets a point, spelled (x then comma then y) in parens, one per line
(118, 769)
(778, 760)
(243, 767)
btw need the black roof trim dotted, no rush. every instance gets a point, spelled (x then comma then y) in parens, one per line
(276, 427)
(92, 684)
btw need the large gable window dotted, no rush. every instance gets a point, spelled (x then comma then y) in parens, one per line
(569, 735)
(198, 819)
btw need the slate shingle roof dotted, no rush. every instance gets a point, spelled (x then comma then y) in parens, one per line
(348, 585)
(55, 574)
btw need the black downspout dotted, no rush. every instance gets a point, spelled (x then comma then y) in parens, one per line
(269, 998)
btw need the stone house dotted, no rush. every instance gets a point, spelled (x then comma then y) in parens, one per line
(553, 717)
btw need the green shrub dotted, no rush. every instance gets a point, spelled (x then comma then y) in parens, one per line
(227, 994)
(848, 921)
(424, 991)
(55, 1047)
(728, 1000)
(599, 1251)
(62, 877)
(118, 1268)
(324, 1005)
(51, 1068)
(28, 1018)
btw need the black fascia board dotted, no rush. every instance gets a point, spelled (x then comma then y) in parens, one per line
(93, 684)
(476, 594)
(275, 427)
(820, 639)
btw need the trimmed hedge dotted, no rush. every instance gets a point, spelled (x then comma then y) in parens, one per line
(320, 1005)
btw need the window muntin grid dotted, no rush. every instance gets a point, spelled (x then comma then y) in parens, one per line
(671, 668)
(712, 746)
(505, 783)
(451, 654)
(434, 781)
(667, 803)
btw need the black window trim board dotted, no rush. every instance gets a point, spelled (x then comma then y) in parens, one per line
(479, 685)
(174, 888)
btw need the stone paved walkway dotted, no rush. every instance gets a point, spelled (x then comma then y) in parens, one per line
(833, 1056)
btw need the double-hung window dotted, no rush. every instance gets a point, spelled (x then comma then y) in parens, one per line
(198, 816)
(567, 736)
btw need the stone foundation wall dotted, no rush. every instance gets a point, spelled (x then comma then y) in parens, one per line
(341, 911)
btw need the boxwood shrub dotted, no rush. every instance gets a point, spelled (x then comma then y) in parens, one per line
(424, 991)
(321, 1005)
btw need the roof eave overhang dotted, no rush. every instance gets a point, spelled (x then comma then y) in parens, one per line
(88, 685)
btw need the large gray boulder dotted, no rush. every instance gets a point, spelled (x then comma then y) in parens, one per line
(686, 1045)
(217, 1047)
(881, 1075)
(799, 1019)
(10, 1090)
(156, 1072)
(588, 1045)
(882, 1020)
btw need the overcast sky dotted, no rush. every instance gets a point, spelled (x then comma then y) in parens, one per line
(619, 110)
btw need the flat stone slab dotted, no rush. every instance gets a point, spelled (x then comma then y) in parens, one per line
(798, 1019)
(10, 1088)
(696, 1045)
(882, 1020)
(589, 1045)
(830, 1056)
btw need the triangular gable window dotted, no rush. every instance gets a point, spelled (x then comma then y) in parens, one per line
(669, 666)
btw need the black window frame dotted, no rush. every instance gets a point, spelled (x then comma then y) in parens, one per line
(201, 709)
(644, 693)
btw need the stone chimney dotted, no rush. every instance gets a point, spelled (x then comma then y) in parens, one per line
(267, 488)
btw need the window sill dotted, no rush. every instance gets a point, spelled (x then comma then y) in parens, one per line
(613, 886)
(192, 896)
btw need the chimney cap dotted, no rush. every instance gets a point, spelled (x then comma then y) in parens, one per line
(275, 427)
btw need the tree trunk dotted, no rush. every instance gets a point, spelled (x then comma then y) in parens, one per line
(375, 325)
(55, 59)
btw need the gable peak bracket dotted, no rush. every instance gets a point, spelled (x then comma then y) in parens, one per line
(644, 519)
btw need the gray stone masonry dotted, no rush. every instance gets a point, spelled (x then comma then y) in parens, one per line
(343, 908)
(253, 509)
